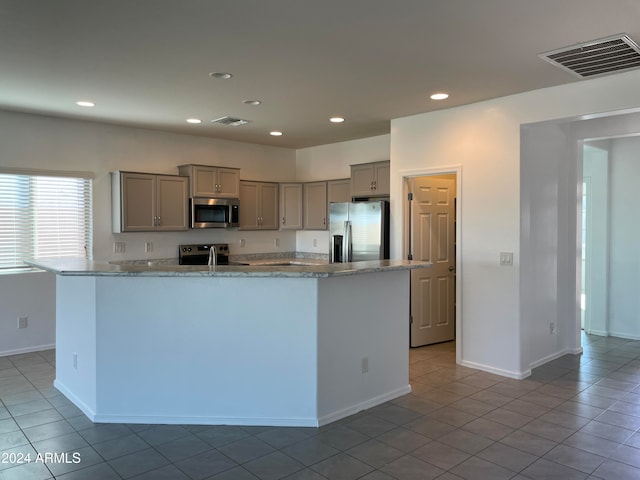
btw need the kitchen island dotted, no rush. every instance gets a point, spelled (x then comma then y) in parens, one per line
(282, 345)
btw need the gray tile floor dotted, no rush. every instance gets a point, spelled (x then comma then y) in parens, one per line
(577, 417)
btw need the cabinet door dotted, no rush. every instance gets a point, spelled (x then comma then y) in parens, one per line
(290, 206)
(228, 183)
(315, 206)
(172, 198)
(339, 191)
(204, 181)
(362, 177)
(382, 178)
(138, 211)
(269, 206)
(249, 193)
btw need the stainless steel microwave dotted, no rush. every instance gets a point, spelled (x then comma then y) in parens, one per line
(214, 212)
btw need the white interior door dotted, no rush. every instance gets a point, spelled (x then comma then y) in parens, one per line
(433, 240)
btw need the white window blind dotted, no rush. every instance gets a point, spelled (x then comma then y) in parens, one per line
(43, 216)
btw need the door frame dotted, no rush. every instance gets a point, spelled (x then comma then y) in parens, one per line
(435, 171)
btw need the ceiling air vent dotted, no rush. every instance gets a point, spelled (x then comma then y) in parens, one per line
(598, 57)
(234, 122)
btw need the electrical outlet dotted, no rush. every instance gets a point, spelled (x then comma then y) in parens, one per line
(506, 259)
(118, 247)
(315, 242)
(276, 242)
(148, 247)
(243, 242)
(22, 322)
(552, 328)
(365, 364)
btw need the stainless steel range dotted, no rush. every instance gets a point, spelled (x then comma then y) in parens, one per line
(199, 254)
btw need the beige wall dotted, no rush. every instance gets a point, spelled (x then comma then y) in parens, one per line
(39, 142)
(483, 141)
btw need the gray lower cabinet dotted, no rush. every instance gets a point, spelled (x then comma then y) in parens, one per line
(258, 205)
(145, 202)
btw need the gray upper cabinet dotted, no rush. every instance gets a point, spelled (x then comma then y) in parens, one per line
(291, 206)
(370, 179)
(315, 205)
(258, 205)
(339, 190)
(145, 202)
(206, 181)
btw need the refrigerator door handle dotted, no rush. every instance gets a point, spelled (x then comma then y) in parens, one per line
(347, 255)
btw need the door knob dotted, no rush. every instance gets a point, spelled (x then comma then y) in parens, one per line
(452, 268)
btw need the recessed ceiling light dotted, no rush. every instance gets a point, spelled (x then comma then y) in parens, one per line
(194, 120)
(85, 103)
(252, 102)
(275, 133)
(439, 96)
(221, 75)
(336, 119)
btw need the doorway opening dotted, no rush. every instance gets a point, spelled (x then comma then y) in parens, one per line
(432, 234)
(594, 211)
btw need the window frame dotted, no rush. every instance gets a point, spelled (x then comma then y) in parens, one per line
(29, 250)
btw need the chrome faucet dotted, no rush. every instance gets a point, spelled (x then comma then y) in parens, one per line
(213, 257)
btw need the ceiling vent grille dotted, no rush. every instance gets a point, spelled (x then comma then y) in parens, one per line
(234, 122)
(598, 57)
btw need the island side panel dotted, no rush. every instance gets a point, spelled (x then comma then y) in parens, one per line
(363, 324)
(76, 341)
(207, 350)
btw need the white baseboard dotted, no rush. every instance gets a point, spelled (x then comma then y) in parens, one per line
(345, 412)
(603, 333)
(88, 411)
(239, 421)
(626, 336)
(191, 420)
(599, 333)
(181, 420)
(551, 357)
(496, 371)
(18, 351)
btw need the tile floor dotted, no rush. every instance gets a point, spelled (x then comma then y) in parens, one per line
(577, 417)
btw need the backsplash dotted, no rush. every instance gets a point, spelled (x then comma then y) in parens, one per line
(233, 258)
(165, 244)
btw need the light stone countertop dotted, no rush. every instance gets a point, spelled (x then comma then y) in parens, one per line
(294, 268)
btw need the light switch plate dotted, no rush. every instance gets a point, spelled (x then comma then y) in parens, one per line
(506, 259)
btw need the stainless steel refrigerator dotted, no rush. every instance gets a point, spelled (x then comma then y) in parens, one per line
(359, 231)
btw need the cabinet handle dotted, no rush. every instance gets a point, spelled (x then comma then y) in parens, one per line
(158, 224)
(283, 221)
(324, 221)
(375, 184)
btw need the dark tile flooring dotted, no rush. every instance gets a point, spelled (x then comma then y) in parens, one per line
(577, 417)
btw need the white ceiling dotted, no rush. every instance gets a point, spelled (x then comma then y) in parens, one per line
(146, 63)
